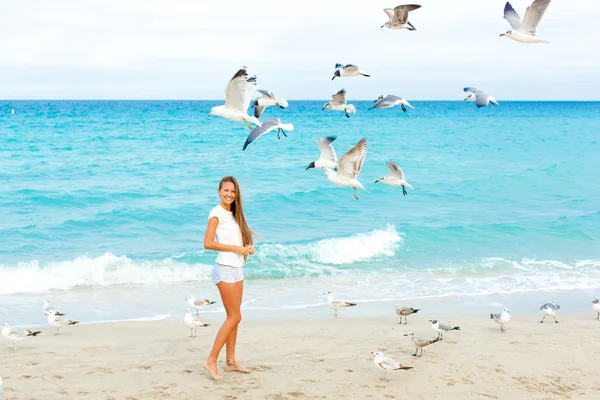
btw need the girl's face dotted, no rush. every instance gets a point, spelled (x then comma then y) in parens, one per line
(227, 193)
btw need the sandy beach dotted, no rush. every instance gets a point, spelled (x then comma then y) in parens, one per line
(315, 359)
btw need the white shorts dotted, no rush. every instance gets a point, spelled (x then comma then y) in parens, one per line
(224, 273)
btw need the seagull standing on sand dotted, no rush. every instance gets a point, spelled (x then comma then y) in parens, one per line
(441, 328)
(47, 308)
(198, 304)
(347, 71)
(501, 318)
(328, 158)
(237, 99)
(192, 322)
(398, 17)
(549, 309)
(481, 99)
(337, 304)
(389, 101)
(267, 125)
(267, 99)
(386, 363)
(349, 167)
(17, 334)
(596, 307)
(524, 32)
(395, 178)
(420, 343)
(339, 104)
(404, 312)
(58, 322)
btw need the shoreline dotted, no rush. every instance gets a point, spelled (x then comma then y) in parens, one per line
(311, 359)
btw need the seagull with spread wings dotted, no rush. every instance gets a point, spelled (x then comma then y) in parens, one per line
(398, 17)
(524, 31)
(268, 125)
(480, 98)
(237, 99)
(390, 101)
(349, 70)
(395, 178)
(338, 103)
(267, 99)
(349, 166)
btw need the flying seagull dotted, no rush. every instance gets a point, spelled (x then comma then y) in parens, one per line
(481, 99)
(385, 363)
(58, 322)
(395, 178)
(349, 166)
(267, 99)
(441, 328)
(337, 304)
(237, 99)
(398, 17)
(339, 103)
(420, 343)
(328, 158)
(549, 309)
(596, 307)
(17, 334)
(349, 70)
(389, 101)
(404, 312)
(47, 308)
(524, 31)
(501, 318)
(267, 125)
(192, 322)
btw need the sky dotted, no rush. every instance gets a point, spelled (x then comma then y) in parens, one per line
(189, 49)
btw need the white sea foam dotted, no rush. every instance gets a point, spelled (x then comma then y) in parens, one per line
(339, 251)
(105, 270)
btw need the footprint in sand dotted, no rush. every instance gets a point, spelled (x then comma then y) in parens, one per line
(25, 377)
(144, 367)
(261, 368)
(185, 371)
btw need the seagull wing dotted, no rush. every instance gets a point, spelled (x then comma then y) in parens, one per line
(239, 90)
(351, 68)
(258, 110)
(481, 98)
(389, 12)
(533, 15)
(17, 333)
(401, 13)
(351, 163)
(512, 16)
(339, 97)
(547, 305)
(395, 170)
(266, 94)
(327, 151)
(389, 363)
(267, 126)
(387, 101)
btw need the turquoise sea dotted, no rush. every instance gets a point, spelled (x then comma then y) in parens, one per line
(103, 205)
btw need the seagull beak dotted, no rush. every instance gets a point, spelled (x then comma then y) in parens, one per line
(502, 34)
(210, 115)
(377, 181)
(382, 26)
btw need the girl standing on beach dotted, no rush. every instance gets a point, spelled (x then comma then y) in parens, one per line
(228, 233)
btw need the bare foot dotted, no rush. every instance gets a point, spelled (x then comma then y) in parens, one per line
(233, 366)
(212, 370)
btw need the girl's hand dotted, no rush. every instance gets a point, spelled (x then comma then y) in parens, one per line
(242, 250)
(250, 249)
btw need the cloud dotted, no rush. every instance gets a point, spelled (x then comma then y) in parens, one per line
(189, 49)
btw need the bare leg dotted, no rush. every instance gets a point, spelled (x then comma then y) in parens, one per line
(229, 297)
(355, 196)
(232, 364)
(555, 319)
(542, 319)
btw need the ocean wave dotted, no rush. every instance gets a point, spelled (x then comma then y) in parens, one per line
(105, 270)
(276, 260)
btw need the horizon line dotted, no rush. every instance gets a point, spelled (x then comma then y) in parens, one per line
(326, 99)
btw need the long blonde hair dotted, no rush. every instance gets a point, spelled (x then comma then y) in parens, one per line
(237, 210)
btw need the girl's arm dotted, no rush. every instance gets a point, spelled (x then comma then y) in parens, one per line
(210, 244)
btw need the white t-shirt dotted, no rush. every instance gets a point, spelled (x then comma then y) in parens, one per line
(228, 232)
